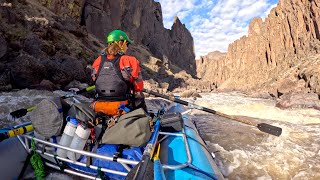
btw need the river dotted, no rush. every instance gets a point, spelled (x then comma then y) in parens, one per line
(242, 151)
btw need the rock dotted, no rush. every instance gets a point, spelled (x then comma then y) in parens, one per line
(3, 46)
(6, 87)
(46, 85)
(299, 100)
(288, 85)
(58, 39)
(190, 93)
(33, 46)
(207, 66)
(282, 46)
(76, 84)
(26, 72)
(143, 22)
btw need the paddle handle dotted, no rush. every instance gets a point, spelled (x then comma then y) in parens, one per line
(15, 132)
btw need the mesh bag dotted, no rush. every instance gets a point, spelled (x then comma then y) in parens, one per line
(47, 117)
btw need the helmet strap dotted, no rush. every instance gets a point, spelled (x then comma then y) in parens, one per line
(121, 46)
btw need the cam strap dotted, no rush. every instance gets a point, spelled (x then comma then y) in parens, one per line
(99, 137)
(61, 164)
(25, 165)
(101, 175)
(119, 152)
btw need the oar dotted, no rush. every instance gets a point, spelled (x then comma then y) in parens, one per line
(158, 170)
(144, 170)
(264, 127)
(22, 112)
(16, 131)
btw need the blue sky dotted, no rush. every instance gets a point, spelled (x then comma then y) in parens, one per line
(214, 24)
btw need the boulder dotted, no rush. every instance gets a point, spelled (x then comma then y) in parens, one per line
(190, 93)
(299, 100)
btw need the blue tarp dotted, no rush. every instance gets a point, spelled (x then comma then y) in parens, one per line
(134, 153)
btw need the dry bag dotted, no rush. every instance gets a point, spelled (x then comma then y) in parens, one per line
(132, 129)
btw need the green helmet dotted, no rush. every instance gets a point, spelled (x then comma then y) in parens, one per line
(118, 35)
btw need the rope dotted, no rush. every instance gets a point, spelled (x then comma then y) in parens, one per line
(36, 162)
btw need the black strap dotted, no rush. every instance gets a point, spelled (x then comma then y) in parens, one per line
(119, 152)
(99, 137)
(25, 165)
(89, 158)
(104, 126)
(61, 164)
(101, 174)
(115, 62)
(103, 59)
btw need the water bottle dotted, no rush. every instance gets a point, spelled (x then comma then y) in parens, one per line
(79, 141)
(67, 136)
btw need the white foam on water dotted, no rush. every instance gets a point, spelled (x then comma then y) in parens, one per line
(257, 108)
(261, 156)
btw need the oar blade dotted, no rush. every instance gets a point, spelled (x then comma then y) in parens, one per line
(270, 129)
(18, 113)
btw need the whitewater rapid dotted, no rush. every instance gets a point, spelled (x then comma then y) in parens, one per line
(242, 151)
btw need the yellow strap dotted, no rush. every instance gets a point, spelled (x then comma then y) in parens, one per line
(122, 46)
(157, 154)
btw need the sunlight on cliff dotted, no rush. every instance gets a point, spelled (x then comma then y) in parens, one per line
(38, 20)
(6, 4)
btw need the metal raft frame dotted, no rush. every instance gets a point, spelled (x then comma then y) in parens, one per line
(25, 140)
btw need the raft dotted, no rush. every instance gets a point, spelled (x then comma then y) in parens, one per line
(182, 154)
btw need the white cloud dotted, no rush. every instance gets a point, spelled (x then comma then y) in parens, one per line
(214, 24)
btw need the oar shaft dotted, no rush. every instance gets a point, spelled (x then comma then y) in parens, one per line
(148, 152)
(267, 128)
(171, 98)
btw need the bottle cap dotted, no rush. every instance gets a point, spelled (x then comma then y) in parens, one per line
(74, 121)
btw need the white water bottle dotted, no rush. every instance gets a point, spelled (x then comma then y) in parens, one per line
(79, 141)
(67, 136)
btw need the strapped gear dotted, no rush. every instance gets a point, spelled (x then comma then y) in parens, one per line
(110, 84)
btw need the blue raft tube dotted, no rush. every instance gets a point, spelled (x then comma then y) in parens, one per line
(184, 154)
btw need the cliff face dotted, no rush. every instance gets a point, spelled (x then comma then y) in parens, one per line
(141, 19)
(49, 43)
(209, 66)
(276, 51)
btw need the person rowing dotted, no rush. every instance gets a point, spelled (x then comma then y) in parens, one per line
(117, 77)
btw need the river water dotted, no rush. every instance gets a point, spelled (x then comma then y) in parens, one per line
(242, 151)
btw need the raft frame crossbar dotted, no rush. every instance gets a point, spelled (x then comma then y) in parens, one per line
(122, 161)
(186, 145)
